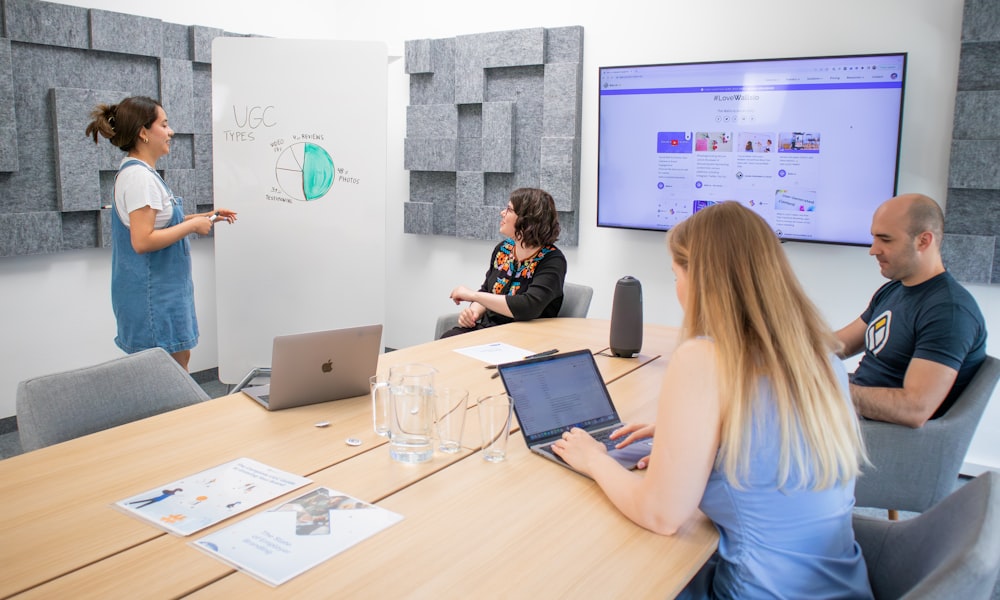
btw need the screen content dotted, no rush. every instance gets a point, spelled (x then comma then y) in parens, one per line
(810, 144)
(554, 395)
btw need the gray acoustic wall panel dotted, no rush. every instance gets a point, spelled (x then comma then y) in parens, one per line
(974, 115)
(419, 216)
(46, 24)
(56, 63)
(432, 121)
(181, 155)
(558, 175)
(481, 224)
(517, 96)
(979, 67)
(203, 167)
(498, 137)
(177, 93)
(971, 247)
(974, 164)
(563, 45)
(523, 87)
(433, 80)
(128, 34)
(431, 137)
(470, 138)
(78, 230)
(519, 47)
(8, 133)
(184, 184)
(201, 42)
(30, 233)
(201, 85)
(970, 255)
(981, 21)
(176, 41)
(77, 157)
(561, 81)
(418, 57)
(474, 53)
(429, 154)
(470, 188)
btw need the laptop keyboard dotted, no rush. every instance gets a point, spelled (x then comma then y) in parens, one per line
(603, 436)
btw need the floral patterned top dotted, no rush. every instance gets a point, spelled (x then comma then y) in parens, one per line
(534, 287)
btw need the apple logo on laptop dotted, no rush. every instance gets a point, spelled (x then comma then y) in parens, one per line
(327, 366)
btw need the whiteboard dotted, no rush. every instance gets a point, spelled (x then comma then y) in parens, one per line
(299, 151)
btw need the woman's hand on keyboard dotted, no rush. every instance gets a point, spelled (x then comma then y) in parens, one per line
(631, 432)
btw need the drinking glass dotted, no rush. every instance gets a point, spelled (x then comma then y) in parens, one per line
(380, 403)
(494, 425)
(450, 406)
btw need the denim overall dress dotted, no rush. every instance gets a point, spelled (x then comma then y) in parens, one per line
(152, 294)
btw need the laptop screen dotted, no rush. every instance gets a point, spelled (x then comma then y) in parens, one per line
(556, 393)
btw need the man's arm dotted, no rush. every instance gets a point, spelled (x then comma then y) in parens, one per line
(925, 387)
(852, 337)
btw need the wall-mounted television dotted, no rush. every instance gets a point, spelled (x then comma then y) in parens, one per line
(811, 144)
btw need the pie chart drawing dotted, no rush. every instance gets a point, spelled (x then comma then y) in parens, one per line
(304, 171)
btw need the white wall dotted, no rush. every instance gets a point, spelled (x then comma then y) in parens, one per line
(56, 307)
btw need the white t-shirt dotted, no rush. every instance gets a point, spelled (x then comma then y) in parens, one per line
(138, 186)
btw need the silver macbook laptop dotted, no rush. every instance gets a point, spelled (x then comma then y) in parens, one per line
(308, 368)
(555, 393)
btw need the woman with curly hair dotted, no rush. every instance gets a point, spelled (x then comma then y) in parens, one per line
(526, 274)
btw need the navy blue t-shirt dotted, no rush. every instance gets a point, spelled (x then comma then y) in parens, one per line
(937, 320)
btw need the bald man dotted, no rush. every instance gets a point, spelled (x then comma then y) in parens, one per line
(923, 335)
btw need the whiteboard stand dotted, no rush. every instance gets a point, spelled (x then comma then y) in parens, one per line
(251, 377)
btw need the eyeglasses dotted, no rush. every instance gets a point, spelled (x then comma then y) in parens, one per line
(508, 209)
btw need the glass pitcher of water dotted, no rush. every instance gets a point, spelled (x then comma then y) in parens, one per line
(411, 412)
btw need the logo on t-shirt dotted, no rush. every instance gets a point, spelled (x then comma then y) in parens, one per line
(877, 333)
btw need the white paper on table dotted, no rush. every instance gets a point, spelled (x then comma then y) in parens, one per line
(191, 504)
(276, 545)
(495, 353)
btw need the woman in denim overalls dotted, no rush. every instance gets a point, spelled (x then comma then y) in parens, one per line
(152, 292)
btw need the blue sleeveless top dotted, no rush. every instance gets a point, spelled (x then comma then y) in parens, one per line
(152, 294)
(780, 543)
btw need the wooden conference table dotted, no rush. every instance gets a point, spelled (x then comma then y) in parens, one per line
(470, 529)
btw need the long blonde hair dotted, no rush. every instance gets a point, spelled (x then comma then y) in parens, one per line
(743, 294)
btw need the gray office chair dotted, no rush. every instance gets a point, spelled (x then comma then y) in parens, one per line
(950, 551)
(576, 303)
(913, 469)
(576, 300)
(59, 407)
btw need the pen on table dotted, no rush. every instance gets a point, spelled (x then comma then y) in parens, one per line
(539, 355)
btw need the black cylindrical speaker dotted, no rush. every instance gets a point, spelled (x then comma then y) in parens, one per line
(626, 318)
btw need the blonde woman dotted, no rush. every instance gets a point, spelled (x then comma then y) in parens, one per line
(754, 424)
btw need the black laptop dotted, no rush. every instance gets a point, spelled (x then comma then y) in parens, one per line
(555, 393)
